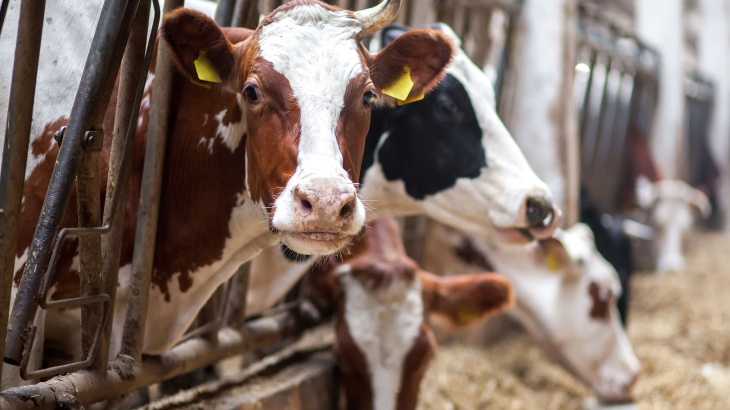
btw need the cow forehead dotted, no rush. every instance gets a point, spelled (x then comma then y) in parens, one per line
(315, 49)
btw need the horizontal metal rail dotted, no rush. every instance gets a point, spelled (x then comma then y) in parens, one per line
(87, 387)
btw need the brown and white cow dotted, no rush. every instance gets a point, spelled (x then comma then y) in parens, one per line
(670, 206)
(566, 298)
(448, 156)
(270, 154)
(383, 302)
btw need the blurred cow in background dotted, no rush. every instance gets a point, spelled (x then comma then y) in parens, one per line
(566, 298)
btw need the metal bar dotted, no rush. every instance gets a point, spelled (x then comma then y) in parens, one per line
(123, 376)
(217, 323)
(224, 12)
(149, 202)
(135, 65)
(4, 12)
(246, 14)
(95, 85)
(237, 310)
(17, 137)
(89, 214)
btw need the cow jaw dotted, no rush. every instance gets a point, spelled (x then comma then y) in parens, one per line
(314, 48)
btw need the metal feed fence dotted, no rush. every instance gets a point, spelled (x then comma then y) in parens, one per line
(615, 90)
(121, 46)
(120, 42)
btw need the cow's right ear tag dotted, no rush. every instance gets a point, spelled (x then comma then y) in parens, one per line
(205, 70)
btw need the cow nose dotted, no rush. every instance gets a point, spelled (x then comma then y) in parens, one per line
(324, 203)
(633, 380)
(537, 209)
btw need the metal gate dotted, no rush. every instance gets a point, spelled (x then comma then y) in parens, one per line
(120, 45)
(615, 91)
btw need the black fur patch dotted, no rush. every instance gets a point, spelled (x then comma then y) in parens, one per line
(431, 143)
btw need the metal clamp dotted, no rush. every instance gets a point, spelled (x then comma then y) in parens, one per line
(93, 140)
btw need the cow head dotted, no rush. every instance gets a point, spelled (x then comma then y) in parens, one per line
(307, 86)
(451, 157)
(566, 298)
(383, 339)
(672, 206)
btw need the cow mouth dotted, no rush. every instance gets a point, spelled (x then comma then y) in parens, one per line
(314, 243)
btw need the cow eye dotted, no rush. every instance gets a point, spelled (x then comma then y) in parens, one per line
(367, 97)
(252, 93)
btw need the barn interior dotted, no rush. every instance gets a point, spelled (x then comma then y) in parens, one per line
(621, 107)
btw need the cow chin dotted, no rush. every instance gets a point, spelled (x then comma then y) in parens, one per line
(315, 243)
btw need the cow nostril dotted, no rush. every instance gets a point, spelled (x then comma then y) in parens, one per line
(346, 210)
(537, 210)
(306, 204)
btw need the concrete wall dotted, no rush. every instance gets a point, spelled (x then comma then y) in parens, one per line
(659, 23)
(541, 115)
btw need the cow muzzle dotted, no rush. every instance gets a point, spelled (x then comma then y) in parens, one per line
(320, 216)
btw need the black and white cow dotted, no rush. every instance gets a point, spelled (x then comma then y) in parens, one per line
(448, 156)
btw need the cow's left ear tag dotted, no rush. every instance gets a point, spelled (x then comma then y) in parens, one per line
(401, 87)
(205, 70)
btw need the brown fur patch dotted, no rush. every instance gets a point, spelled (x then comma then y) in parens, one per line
(274, 132)
(601, 307)
(426, 52)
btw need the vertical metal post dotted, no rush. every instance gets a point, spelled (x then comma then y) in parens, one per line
(149, 202)
(246, 14)
(17, 137)
(88, 110)
(224, 12)
(131, 86)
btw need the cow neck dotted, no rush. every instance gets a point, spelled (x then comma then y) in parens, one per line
(202, 194)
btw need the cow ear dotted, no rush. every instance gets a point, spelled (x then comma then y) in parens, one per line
(699, 200)
(421, 54)
(465, 299)
(553, 256)
(193, 36)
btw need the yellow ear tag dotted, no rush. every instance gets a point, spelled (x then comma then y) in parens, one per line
(200, 83)
(553, 262)
(401, 87)
(204, 68)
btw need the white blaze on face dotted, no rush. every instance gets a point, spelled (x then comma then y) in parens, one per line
(384, 324)
(316, 51)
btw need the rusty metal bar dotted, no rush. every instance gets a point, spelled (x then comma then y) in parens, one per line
(88, 387)
(17, 137)
(224, 12)
(89, 214)
(135, 65)
(89, 106)
(237, 310)
(149, 202)
(216, 323)
(246, 14)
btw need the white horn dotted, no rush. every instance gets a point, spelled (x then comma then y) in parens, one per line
(375, 18)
